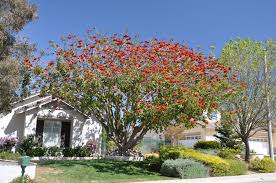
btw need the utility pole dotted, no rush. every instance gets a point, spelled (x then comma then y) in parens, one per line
(268, 113)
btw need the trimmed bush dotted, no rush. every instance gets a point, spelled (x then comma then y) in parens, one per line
(9, 155)
(219, 166)
(228, 153)
(265, 165)
(27, 145)
(27, 179)
(53, 151)
(207, 145)
(68, 152)
(38, 151)
(170, 152)
(81, 151)
(184, 169)
(153, 163)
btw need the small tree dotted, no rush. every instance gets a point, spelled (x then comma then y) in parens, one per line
(227, 136)
(132, 86)
(247, 108)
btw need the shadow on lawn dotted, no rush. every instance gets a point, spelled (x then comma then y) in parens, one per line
(106, 166)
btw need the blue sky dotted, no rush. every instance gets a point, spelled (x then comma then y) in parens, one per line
(194, 22)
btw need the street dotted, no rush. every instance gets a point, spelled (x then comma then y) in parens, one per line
(251, 178)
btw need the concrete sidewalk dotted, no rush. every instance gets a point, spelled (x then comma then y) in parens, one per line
(251, 178)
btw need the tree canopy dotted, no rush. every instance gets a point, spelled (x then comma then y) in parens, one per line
(132, 86)
(14, 15)
(247, 109)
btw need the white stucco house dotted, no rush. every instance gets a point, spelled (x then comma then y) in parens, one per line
(257, 143)
(55, 122)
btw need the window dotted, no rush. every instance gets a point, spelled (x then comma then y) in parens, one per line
(51, 135)
(192, 137)
(258, 139)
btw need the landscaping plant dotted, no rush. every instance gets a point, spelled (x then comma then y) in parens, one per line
(132, 86)
(207, 145)
(265, 165)
(184, 169)
(219, 166)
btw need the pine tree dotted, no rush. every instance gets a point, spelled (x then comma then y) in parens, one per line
(227, 136)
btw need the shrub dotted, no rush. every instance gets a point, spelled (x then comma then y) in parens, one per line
(9, 155)
(38, 151)
(81, 151)
(170, 152)
(236, 167)
(91, 146)
(53, 151)
(266, 165)
(183, 168)
(7, 143)
(68, 152)
(207, 145)
(27, 145)
(219, 166)
(153, 163)
(228, 153)
(151, 154)
(27, 179)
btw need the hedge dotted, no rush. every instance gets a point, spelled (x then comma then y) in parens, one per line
(219, 166)
(265, 165)
(184, 169)
(207, 145)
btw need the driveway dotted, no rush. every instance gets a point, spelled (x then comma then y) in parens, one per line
(251, 178)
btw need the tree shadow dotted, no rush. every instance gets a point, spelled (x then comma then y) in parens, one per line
(106, 166)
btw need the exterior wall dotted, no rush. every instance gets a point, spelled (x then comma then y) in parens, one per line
(82, 129)
(30, 122)
(12, 124)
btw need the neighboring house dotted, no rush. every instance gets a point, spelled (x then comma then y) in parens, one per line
(52, 120)
(258, 143)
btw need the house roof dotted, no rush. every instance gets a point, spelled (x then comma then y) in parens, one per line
(37, 101)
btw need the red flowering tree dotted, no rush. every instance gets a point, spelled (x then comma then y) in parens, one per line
(132, 87)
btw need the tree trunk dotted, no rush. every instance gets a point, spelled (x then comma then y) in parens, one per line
(247, 150)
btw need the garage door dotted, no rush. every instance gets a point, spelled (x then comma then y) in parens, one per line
(259, 145)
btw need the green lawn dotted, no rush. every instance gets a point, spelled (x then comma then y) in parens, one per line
(92, 171)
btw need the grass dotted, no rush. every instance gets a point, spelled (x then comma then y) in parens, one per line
(94, 171)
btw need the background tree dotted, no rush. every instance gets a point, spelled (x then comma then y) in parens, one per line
(14, 15)
(174, 133)
(132, 86)
(227, 136)
(247, 109)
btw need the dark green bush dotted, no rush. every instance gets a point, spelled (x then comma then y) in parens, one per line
(236, 167)
(53, 151)
(38, 151)
(265, 165)
(153, 163)
(207, 145)
(27, 145)
(183, 168)
(27, 179)
(68, 152)
(228, 153)
(81, 151)
(9, 155)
